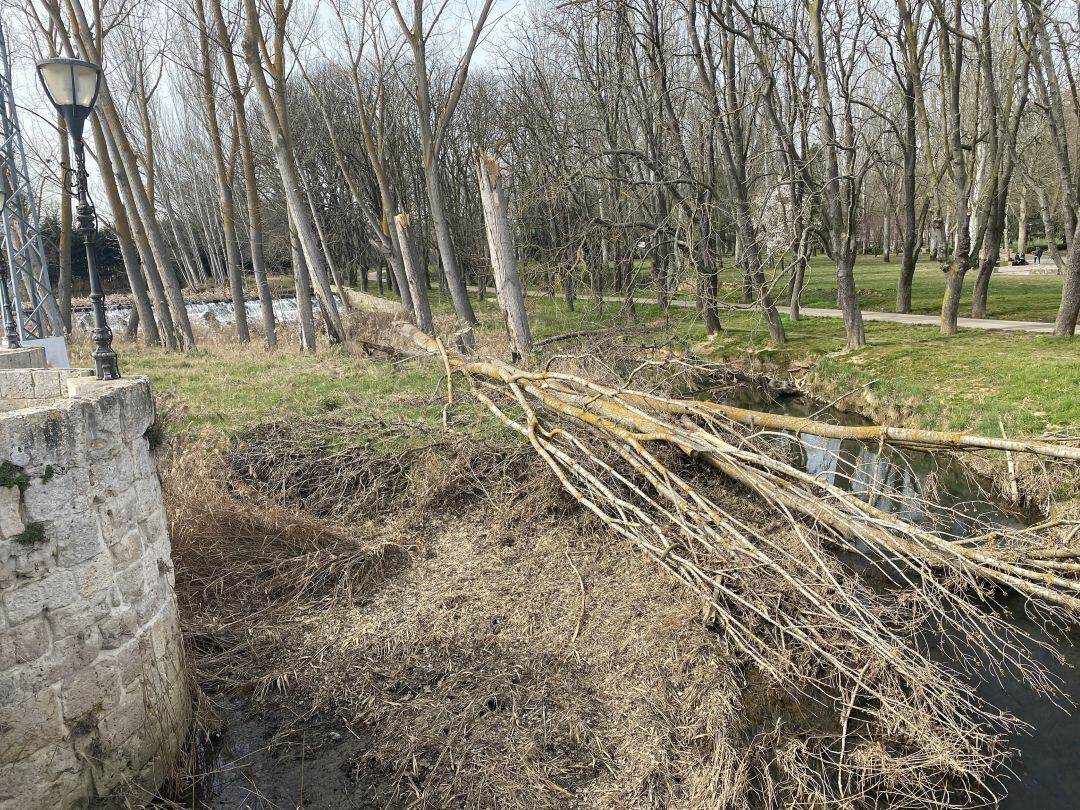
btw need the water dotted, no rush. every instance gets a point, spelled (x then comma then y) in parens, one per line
(1047, 766)
(202, 313)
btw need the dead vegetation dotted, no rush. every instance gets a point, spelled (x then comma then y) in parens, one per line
(495, 646)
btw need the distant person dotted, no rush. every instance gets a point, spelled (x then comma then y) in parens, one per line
(1038, 252)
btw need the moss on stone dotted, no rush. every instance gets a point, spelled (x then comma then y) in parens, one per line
(32, 535)
(12, 475)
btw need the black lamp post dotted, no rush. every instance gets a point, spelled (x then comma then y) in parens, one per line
(10, 337)
(72, 86)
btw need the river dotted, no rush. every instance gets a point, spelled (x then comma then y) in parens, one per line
(1046, 770)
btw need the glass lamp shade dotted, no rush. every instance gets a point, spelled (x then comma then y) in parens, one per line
(71, 84)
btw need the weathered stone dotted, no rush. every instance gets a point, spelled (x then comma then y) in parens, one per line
(119, 628)
(30, 599)
(31, 640)
(30, 725)
(87, 618)
(75, 618)
(46, 383)
(95, 688)
(81, 542)
(17, 384)
(132, 581)
(11, 523)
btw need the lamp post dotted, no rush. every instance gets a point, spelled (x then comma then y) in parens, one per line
(7, 313)
(72, 86)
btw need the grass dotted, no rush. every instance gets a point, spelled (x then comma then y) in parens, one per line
(1022, 298)
(911, 373)
(907, 373)
(223, 387)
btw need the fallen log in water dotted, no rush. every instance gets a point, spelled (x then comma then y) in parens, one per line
(910, 731)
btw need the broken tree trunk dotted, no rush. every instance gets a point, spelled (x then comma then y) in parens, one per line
(413, 274)
(503, 261)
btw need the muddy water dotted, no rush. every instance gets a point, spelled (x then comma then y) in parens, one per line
(1046, 770)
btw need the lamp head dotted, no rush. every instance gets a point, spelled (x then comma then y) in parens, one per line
(72, 86)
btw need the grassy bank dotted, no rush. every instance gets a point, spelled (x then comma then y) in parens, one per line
(907, 374)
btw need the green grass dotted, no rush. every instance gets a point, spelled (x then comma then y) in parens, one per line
(912, 373)
(224, 387)
(1021, 298)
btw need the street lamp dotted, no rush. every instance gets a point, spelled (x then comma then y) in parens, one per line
(10, 338)
(72, 86)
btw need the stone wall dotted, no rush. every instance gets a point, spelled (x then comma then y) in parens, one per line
(25, 357)
(93, 694)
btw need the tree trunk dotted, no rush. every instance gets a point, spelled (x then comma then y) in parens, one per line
(448, 258)
(251, 186)
(1065, 325)
(290, 176)
(1021, 226)
(119, 194)
(991, 251)
(224, 181)
(303, 293)
(508, 287)
(413, 274)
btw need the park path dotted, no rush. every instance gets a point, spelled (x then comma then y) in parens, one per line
(1041, 327)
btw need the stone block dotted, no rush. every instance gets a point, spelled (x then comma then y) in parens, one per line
(25, 789)
(17, 384)
(77, 617)
(7, 651)
(128, 548)
(96, 688)
(94, 576)
(46, 384)
(11, 522)
(30, 725)
(136, 408)
(23, 357)
(132, 581)
(26, 601)
(81, 542)
(53, 495)
(32, 640)
(118, 628)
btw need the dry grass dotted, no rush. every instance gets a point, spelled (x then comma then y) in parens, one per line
(493, 644)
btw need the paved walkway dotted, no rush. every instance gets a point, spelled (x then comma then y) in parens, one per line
(1042, 327)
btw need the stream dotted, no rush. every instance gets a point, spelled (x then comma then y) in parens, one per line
(1046, 769)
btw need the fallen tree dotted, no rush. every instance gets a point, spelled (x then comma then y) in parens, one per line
(791, 597)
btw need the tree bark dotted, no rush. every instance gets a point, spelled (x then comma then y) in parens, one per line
(508, 287)
(251, 186)
(411, 264)
(290, 176)
(224, 181)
